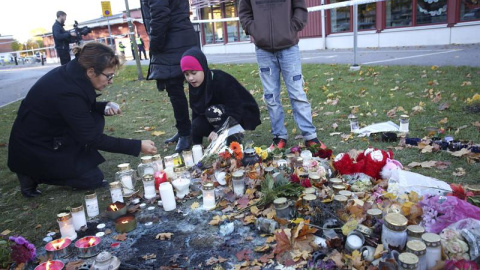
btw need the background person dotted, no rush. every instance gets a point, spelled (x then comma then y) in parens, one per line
(59, 126)
(214, 96)
(62, 38)
(171, 34)
(277, 52)
(141, 48)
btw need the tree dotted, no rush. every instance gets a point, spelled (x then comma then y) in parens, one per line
(16, 46)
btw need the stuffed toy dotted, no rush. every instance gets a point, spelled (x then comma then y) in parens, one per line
(391, 166)
(369, 162)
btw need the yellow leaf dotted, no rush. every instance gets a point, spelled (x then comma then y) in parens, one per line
(294, 130)
(194, 205)
(406, 208)
(249, 220)
(298, 220)
(158, 133)
(270, 239)
(263, 248)
(289, 111)
(6, 232)
(254, 210)
(164, 236)
(443, 121)
(215, 220)
(434, 67)
(38, 226)
(349, 226)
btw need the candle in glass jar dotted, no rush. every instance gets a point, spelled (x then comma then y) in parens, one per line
(125, 177)
(92, 204)
(65, 223)
(208, 196)
(197, 153)
(354, 241)
(127, 184)
(116, 192)
(168, 198)
(168, 160)
(182, 187)
(188, 158)
(149, 186)
(404, 123)
(78, 216)
(158, 162)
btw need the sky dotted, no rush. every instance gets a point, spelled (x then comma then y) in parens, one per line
(20, 17)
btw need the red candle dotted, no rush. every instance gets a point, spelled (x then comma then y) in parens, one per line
(87, 241)
(58, 244)
(50, 265)
(160, 177)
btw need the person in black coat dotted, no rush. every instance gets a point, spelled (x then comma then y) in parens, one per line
(214, 96)
(171, 33)
(62, 38)
(59, 126)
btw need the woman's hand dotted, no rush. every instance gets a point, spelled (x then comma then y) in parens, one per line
(112, 108)
(213, 136)
(148, 147)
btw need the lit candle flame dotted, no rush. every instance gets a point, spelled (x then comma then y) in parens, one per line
(91, 242)
(124, 221)
(48, 265)
(114, 207)
(58, 244)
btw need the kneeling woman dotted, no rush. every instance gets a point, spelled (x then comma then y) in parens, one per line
(214, 96)
(59, 127)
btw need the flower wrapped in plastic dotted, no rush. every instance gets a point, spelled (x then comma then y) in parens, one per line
(454, 244)
(22, 250)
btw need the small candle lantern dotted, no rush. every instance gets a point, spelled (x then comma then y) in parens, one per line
(306, 155)
(59, 248)
(238, 180)
(125, 224)
(116, 191)
(338, 188)
(282, 164)
(354, 127)
(78, 217)
(116, 209)
(50, 265)
(335, 181)
(434, 248)
(160, 177)
(158, 162)
(310, 190)
(197, 152)
(149, 186)
(168, 160)
(177, 160)
(354, 241)
(345, 193)
(88, 246)
(407, 260)
(146, 167)
(282, 208)
(168, 198)
(105, 260)
(394, 231)
(181, 186)
(414, 232)
(125, 177)
(208, 191)
(309, 199)
(92, 204)
(418, 248)
(404, 123)
(269, 171)
(65, 223)
(188, 158)
(276, 158)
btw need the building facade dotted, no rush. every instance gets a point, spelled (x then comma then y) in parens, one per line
(381, 24)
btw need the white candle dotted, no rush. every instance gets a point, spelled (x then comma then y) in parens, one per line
(78, 216)
(182, 187)
(127, 184)
(197, 153)
(238, 187)
(188, 160)
(208, 201)
(168, 198)
(149, 170)
(150, 192)
(354, 242)
(170, 173)
(92, 205)
(116, 192)
(65, 224)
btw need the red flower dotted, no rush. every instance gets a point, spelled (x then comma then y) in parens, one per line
(295, 149)
(460, 265)
(459, 192)
(294, 178)
(235, 146)
(306, 183)
(225, 155)
(323, 153)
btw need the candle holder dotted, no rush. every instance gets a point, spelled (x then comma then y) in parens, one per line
(91, 202)
(147, 167)
(188, 158)
(158, 162)
(116, 210)
(58, 249)
(208, 191)
(149, 186)
(177, 160)
(116, 192)
(238, 181)
(354, 127)
(168, 160)
(88, 246)
(181, 186)
(65, 222)
(168, 198)
(105, 260)
(78, 217)
(125, 224)
(404, 123)
(125, 177)
(354, 241)
(50, 265)
(197, 151)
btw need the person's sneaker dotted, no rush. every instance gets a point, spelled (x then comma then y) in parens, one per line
(278, 143)
(312, 142)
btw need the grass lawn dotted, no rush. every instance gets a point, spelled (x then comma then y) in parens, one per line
(334, 92)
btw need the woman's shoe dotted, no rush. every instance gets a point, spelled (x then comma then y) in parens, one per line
(28, 186)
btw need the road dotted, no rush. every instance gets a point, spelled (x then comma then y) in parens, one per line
(16, 81)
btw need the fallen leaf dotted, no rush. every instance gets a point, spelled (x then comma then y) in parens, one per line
(164, 236)
(6, 232)
(270, 239)
(158, 133)
(443, 121)
(337, 258)
(266, 257)
(74, 265)
(254, 210)
(460, 128)
(283, 241)
(149, 256)
(215, 220)
(460, 153)
(334, 126)
(243, 255)
(38, 226)
(108, 231)
(392, 113)
(466, 83)
(121, 237)
(249, 220)
(243, 202)
(194, 205)
(149, 128)
(442, 165)
(425, 164)
(443, 106)
(459, 172)
(263, 248)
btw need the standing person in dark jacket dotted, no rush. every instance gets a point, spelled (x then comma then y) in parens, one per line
(141, 48)
(214, 96)
(274, 25)
(59, 126)
(62, 38)
(171, 34)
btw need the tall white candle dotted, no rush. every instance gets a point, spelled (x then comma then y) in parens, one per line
(197, 153)
(150, 192)
(78, 216)
(127, 184)
(170, 173)
(168, 198)
(209, 201)
(116, 192)
(92, 205)
(65, 224)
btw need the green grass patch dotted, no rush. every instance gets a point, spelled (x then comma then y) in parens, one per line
(372, 92)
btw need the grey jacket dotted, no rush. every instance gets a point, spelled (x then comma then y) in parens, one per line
(274, 24)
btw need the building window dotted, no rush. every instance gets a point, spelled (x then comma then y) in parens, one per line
(232, 26)
(398, 13)
(469, 10)
(366, 16)
(431, 11)
(215, 32)
(217, 14)
(340, 18)
(207, 27)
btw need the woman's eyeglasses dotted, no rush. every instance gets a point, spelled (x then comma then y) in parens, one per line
(109, 76)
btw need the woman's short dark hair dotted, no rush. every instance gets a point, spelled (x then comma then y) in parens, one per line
(97, 56)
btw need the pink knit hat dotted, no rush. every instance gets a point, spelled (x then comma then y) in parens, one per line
(189, 62)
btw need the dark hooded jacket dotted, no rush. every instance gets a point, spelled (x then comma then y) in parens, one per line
(57, 134)
(274, 24)
(171, 33)
(60, 36)
(219, 87)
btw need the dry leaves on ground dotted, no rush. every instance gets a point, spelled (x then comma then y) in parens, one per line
(164, 236)
(459, 172)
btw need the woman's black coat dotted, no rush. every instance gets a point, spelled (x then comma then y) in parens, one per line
(59, 128)
(171, 33)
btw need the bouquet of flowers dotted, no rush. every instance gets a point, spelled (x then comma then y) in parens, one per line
(22, 251)
(454, 244)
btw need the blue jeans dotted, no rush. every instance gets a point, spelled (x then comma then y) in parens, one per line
(286, 61)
